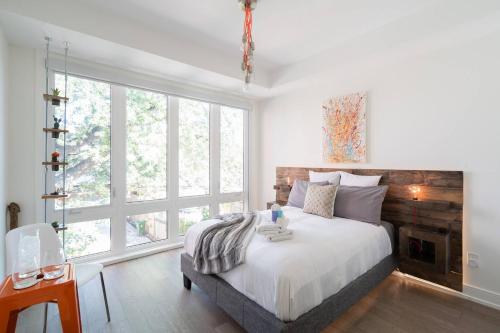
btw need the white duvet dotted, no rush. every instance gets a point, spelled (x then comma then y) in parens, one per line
(291, 277)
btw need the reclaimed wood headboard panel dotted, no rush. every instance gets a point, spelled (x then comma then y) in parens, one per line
(439, 207)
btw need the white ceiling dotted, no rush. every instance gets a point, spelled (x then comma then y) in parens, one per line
(198, 41)
(285, 31)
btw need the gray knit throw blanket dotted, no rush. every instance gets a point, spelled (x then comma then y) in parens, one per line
(222, 246)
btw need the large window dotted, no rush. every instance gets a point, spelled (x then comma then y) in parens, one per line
(189, 216)
(144, 166)
(231, 150)
(146, 145)
(146, 228)
(231, 207)
(88, 237)
(194, 148)
(88, 143)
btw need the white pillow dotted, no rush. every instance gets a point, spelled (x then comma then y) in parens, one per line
(348, 179)
(331, 177)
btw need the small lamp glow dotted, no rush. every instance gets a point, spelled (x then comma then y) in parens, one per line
(415, 190)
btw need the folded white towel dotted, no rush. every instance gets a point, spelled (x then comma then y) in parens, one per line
(282, 221)
(268, 227)
(280, 236)
(271, 232)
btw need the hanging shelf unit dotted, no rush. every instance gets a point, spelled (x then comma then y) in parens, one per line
(55, 140)
(55, 130)
(55, 163)
(54, 196)
(48, 98)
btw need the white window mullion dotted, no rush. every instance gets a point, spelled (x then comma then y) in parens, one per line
(118, 167)
(173, 168)
(246, 160)
(214, 158)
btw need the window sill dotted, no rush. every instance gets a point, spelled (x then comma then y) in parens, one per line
(139, 253)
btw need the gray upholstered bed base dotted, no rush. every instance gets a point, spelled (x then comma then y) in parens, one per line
(253, 318)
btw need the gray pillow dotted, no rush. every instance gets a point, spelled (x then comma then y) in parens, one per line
(298, 193)
(360, 203)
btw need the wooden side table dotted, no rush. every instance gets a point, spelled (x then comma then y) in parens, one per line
(62, 291)
(426, 249)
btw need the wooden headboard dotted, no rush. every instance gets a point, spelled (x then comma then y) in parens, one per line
(439, 209)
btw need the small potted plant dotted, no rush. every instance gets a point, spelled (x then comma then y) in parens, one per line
(55, 156)
(57, 191)
(56, 101)
(57, 123)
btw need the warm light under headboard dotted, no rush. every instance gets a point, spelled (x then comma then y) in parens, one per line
(439, 205)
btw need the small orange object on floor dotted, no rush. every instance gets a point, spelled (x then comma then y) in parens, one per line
(62, 291)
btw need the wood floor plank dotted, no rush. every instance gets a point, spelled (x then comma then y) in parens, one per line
(147, 295)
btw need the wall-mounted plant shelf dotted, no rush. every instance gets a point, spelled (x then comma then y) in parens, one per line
(48, 97)
(54, 196)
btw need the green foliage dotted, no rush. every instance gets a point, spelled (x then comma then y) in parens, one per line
(232, 149)
(88, 143)
(146, 145)
(194, 147)
(84, 238)
(190, 216)
(88, 151)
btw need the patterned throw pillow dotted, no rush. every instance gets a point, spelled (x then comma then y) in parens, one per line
(320, 200)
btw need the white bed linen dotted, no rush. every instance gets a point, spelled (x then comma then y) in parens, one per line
(291, 277)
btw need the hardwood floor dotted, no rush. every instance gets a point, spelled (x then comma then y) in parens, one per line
(147, 295)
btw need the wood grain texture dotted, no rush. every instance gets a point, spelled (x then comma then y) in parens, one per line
(147, 295)
(440, 206)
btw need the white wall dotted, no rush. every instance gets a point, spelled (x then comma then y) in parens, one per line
(437, 110)
(4, 58)
(21, 133)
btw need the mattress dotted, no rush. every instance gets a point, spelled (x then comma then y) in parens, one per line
(291, 277)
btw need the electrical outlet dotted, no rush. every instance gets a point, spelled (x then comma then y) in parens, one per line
(472, 260)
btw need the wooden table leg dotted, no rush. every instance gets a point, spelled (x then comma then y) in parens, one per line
(8, 320)
(69, 310)
(12, 321)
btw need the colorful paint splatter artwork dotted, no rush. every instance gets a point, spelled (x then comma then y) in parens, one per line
(344, 129)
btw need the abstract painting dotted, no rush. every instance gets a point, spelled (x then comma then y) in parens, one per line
(344, 129)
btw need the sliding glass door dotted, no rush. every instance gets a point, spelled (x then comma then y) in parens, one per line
(144, 166)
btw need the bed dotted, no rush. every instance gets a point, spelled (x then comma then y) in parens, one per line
(340, 260)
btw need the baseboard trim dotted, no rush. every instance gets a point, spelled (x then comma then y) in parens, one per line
(482, 296)
(475, 294)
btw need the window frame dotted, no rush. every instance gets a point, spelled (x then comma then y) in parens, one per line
(119, 208)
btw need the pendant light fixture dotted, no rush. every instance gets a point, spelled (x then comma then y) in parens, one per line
(247, 44)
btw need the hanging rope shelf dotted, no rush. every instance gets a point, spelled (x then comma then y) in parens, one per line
(54, 107)
(48, 97)
(54, 196)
